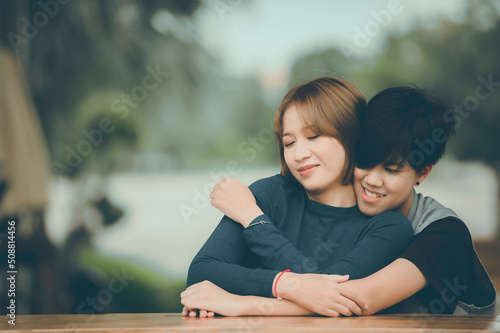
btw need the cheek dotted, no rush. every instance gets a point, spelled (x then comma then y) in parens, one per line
(338, 150)
(287, 156)
(398, 187)
(359, 174)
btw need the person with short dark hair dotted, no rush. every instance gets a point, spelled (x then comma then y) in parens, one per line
(404, 134)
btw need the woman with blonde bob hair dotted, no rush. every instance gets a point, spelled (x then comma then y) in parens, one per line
(304, 220)
(315, 102)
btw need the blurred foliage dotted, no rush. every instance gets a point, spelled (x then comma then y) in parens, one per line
(93, 54)
(145, 291)
(447, 61)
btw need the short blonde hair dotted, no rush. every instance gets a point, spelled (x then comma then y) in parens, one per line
(331, 106)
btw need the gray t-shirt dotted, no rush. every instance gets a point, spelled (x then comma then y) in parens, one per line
(423, 212)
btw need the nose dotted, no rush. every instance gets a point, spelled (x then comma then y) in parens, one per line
(302, 151)
(373, 178)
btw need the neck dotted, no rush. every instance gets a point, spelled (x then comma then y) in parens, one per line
(342, 196)
(405, 207)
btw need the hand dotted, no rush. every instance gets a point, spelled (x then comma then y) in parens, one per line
(206, 295)
(197, 313)
(320, 293)
(235, 200)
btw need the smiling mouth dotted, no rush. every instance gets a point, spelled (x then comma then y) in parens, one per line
(373, 195)
(307, 168)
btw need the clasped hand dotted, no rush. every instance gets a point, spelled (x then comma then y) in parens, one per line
(235, 200)
(324, 294)
(203, 299)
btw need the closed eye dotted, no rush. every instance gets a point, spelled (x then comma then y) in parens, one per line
(313, 137)
(389, 170)
(289, 144)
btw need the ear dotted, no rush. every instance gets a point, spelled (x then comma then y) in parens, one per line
(424, 173)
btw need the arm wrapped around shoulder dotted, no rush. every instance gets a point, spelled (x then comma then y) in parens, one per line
(381, 242)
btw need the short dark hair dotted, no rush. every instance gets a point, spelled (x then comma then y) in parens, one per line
(403, 124)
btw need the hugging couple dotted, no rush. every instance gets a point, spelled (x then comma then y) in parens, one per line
(341, 230)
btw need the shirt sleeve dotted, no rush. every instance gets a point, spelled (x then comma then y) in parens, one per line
(443, 253)
(386, 237)
(223, 259)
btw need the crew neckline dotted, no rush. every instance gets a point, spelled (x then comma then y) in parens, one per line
(322, 209)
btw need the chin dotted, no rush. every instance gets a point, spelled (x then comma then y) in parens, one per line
(370, 211)
(309, 185)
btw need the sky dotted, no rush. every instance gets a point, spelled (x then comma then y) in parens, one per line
(262, 35)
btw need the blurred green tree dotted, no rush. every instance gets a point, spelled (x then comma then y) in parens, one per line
(99, 51)
(455, 62)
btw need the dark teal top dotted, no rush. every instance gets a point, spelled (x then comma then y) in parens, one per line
(304, 236)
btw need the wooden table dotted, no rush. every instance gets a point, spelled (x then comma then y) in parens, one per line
(157, 322)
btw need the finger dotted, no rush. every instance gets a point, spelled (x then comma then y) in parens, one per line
(330, 313)
(225, 181)
(210, 314)
(352, 296)
(354, 308)
(193, 313)
(184, 312)
(203, 313)
(348, 303)
(342, 310)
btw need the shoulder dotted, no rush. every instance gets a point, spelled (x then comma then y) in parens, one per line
(264, 182)
(392, 222)
(272, 185)
(449, 228)
(271, 190)
(391, 218)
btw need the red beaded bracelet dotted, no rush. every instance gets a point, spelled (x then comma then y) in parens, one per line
(276, 283)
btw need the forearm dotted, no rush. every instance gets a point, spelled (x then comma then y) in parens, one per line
(222, 260)
(274, 249)
(390, 285)
(263, 306)
(233, 278)
(386, 239)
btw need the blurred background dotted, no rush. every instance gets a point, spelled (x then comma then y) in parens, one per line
(118, 117)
